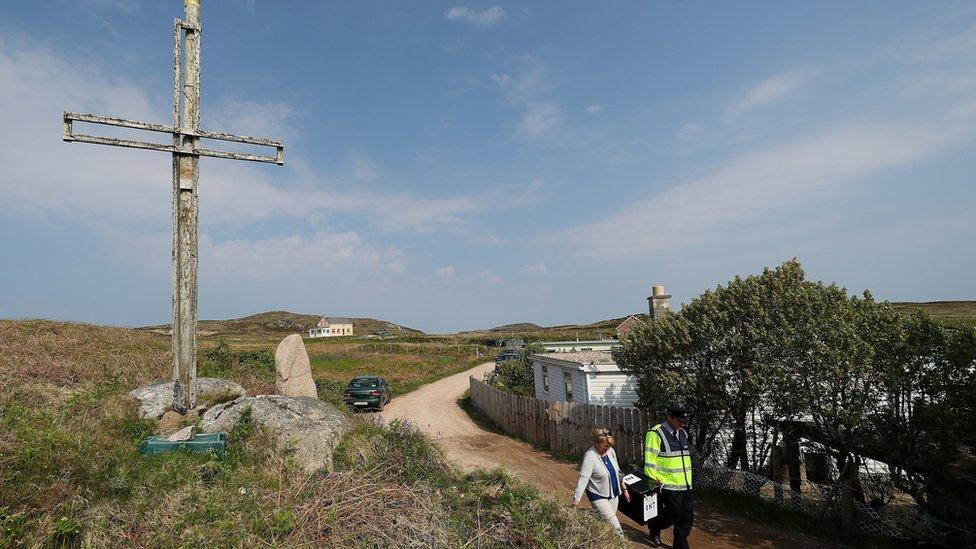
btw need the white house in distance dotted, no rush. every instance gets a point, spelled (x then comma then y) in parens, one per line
(586, 377)
(331, 326)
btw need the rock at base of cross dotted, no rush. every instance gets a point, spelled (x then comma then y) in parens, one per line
(293, 371)
(307, 428)
(156, 398)
(170, 422)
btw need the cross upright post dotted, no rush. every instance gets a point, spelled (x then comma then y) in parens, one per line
(186, 152)
(186, 200)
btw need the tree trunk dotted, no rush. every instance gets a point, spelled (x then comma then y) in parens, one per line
(737, 452)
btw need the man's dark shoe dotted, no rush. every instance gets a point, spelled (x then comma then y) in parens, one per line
(656, 541)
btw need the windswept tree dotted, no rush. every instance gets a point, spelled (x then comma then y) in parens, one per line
(716, 355)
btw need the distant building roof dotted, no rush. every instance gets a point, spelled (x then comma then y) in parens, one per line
(579, 359)
(327, 321)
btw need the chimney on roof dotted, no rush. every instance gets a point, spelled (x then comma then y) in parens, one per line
(659, 304)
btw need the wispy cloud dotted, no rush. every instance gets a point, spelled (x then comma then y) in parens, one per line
(540, 119)
(363, 167)
(90, 183)
(594, 109)
(489, 240)
(755, 184)
(445, 274)
(536, 268)
(771, 90)
(689, 132)
(489, 278)
(526, 88)
(485, 18)
(271, 120)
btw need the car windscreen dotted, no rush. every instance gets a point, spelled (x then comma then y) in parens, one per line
(364, 383)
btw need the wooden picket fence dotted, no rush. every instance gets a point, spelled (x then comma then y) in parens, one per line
(563, 427)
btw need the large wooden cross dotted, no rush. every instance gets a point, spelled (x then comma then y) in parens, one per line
(186, 152)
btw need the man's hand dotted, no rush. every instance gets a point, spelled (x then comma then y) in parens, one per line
(575, 506)
(626, 495)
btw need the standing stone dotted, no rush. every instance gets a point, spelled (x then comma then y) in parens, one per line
(293, 369)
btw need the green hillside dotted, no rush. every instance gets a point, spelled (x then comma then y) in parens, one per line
(949, 312)
(280, 322)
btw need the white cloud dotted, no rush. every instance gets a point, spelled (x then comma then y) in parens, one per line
(770, 90)
(594, 109)
(363, 167)
(531, 80)
(268, 120)
(284, 258)
(445, 274)
(489, 278)
(754, 185)
(485, 18)
(689, 132)
(491, 240)
(536, 268)
(540, 118)
(90, 183)
(128, 6)
(502, 79)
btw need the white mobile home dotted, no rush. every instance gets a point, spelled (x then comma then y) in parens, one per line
(587, 377)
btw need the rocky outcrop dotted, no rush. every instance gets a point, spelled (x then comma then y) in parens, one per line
(306, 428)
(156, 398)
(293, 371)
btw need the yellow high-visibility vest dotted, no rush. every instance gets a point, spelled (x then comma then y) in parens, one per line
(666, 461)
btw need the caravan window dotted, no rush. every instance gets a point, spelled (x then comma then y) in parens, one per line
(545, 378)
(568, 378)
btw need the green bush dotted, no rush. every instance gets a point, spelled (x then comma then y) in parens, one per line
(223, 361)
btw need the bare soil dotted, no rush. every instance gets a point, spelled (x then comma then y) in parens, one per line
(435, 410)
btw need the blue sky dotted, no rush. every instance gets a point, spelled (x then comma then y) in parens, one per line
(452, 166)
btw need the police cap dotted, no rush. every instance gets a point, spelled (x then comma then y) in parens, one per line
(678, 411)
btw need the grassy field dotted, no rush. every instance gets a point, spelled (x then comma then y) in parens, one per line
(70, 474)
(405, 363)
(949, 312)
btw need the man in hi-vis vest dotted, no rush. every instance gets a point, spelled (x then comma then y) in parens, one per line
(667, 461)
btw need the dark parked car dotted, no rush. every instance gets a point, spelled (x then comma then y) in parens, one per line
(508, 354)
(367, 392)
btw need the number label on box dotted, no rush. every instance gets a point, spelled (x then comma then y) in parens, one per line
(650, 506)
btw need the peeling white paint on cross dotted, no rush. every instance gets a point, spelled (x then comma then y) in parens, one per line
(186, 151)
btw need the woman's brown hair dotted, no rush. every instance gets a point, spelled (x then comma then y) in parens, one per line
(602, 435)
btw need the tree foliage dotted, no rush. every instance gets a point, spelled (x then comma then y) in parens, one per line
(781, 346)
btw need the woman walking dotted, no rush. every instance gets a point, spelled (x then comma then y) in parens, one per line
(602, 479)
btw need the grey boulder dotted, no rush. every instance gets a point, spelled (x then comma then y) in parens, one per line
(155, 398)
(293, 371)
(306, 428)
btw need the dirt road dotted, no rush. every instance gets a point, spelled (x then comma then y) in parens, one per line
(434, 409)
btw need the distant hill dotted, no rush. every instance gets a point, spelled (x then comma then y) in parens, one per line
(517, 327)
(277, 322)
(949, 312)
(595, 330)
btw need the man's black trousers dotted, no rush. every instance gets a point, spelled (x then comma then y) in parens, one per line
(675, 508)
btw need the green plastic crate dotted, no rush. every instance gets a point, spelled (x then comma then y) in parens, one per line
(200, 443)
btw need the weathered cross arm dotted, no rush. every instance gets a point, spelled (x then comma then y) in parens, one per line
(68, 134)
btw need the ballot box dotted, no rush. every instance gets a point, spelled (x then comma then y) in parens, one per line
(643, 505)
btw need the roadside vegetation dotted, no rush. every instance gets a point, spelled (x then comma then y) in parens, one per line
(70, 474)
(515, 375)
